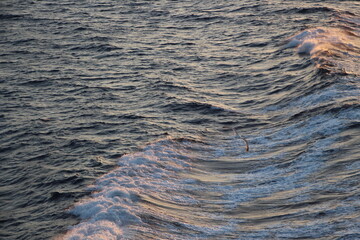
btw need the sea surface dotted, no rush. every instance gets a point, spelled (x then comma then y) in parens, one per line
(169, 119)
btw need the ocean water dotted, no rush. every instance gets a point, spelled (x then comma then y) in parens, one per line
(175, 119)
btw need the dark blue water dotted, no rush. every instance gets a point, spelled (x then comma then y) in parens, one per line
(130, 119)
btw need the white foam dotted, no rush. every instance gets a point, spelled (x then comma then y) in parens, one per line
(114, 204)
(94, 231)
(334, 49)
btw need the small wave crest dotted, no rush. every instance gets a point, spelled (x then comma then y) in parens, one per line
(333, 49)
(117, 196)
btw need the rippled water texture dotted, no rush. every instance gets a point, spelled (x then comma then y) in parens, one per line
(130, 119)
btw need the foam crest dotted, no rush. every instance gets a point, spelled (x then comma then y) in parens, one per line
(114, 202)
(95, 230)
(332, 49)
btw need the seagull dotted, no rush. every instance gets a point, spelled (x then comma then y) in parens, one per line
(246, 142)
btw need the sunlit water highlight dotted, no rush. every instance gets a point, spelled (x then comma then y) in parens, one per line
(118, 117)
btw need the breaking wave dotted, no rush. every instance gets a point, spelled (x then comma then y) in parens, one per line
(333, 49)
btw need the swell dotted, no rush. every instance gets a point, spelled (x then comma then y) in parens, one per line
(298, 176)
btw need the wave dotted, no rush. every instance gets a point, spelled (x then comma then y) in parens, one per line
(103, 47)
(117, 195)
(185, 105)
(333, 49)
(215, 189)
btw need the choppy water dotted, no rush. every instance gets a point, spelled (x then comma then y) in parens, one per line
(118, 119)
